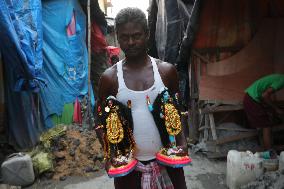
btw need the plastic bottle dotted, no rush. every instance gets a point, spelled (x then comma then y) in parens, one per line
(281, 162)
(242, 168)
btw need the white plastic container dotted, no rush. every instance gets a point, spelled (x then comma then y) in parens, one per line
(18, 170)
(242, 168)
(281, 161)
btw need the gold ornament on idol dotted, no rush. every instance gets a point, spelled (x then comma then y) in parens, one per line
(172, 119)
(114, 128)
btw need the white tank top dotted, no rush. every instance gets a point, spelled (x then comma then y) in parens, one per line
(146, 134)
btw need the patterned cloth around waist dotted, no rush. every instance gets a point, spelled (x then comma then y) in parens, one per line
(154, 176)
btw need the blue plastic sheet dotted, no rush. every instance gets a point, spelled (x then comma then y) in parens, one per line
(24, 124)
(65, 57)
(21, 50)
(21, 41)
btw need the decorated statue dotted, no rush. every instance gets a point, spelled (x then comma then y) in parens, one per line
(168, 120)
(119, 144)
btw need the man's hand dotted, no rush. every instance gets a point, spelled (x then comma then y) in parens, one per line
(107, 165)
(184, 149)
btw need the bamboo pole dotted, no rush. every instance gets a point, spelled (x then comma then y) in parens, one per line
(89, 64)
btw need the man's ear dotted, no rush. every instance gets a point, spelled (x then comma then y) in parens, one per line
(147, 34)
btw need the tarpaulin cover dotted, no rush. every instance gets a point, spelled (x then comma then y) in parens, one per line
(24, 127)
(21, 41)
(65, 57)
(21, 49)
(172, 30)
(169, 24)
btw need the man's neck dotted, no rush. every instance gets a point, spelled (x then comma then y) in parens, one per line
(137, 62)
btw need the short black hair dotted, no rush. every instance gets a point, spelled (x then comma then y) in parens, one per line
(131, 14)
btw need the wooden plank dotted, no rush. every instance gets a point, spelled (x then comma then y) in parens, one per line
(200, 121)
(206, 133)
(274, 129)
(212, 125)
(236, 138)
(236, 129)
(203, 127)
(220, 102)
(193, 118)
(222, 108)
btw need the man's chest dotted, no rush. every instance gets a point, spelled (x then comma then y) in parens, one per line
(139, 80)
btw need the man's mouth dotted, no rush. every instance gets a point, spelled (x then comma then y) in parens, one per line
(131, 51)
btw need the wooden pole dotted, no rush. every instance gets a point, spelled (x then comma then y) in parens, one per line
(89, 65)
(193, 118)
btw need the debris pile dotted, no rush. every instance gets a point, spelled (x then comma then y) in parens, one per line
(76, 153)
(270, 180)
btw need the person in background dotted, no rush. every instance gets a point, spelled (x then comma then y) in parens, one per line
(136, 78)
(259, 105)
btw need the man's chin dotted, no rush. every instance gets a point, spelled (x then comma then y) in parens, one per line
(132, 55)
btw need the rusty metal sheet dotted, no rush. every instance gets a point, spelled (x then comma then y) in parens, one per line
(226, 23)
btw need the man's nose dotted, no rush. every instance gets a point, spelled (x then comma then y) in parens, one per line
(130, 41)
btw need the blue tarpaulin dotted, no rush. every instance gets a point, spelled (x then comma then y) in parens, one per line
(65, 67)
(21, 40)
(53, 62)
(21, 50)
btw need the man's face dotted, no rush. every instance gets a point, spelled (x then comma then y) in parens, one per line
(132, 39)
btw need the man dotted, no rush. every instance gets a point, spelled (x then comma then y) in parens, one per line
(259, 105)
(139, 78)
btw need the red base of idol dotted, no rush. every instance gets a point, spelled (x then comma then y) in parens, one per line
(122, 170)
(175, 162)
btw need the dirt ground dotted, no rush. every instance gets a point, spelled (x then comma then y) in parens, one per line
(78, 165)
(202, 174)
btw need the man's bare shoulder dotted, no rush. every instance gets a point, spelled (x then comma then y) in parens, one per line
(110, 73)
(165, 67)
(108, 83)
(168, 74)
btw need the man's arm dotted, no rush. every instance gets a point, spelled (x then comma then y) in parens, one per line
(268, 99)
(170, 78)
(107, 86)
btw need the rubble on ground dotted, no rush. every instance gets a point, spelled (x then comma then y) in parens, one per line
(270, 180)
(76, 153)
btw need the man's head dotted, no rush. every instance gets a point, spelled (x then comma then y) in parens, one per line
(131, 14)
(132, 31)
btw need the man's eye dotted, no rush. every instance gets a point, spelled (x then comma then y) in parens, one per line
(136, 36)
(124, 37)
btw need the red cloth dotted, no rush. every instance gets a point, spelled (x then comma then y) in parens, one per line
(98, 40)
(71, 28)
(113, 50)
(77, 116)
